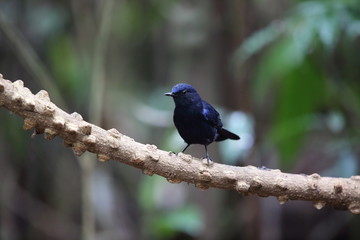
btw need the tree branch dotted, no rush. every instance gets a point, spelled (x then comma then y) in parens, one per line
(43, 115)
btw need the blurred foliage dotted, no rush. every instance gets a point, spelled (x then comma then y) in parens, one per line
(306, 60)
(65, 65)
(294, 101)
(186, 220)
(232, 151)
(165, 211)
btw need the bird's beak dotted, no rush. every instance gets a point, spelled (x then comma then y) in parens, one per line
(169, 94)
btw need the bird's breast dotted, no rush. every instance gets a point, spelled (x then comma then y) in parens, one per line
(193, 127)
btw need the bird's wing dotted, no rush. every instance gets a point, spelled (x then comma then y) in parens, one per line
(211, 115)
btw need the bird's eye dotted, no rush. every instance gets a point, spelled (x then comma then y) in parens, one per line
(184, 91)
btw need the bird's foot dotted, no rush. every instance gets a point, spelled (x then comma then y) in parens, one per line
(172, 153)
(208, 160)
(176, 154)
(264, 168)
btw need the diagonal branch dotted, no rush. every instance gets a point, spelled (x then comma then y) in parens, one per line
(43, 115)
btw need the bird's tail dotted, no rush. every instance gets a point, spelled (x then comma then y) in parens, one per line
(225, 134)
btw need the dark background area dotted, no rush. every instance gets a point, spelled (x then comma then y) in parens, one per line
(284, 74)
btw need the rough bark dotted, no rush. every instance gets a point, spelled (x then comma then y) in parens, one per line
(43, 115)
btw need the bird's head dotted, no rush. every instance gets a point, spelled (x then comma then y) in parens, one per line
(183, 94)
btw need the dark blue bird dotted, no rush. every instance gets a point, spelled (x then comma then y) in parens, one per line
(197, 121)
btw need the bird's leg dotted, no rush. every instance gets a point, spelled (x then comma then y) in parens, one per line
(182, 150)
(185, 148)
(207, 156)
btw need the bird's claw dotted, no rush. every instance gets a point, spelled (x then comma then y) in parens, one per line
(264, 168)
(208, 160)
(172, 153)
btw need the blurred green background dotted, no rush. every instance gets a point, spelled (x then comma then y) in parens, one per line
(285, 75)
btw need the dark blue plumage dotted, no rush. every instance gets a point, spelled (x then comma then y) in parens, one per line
(197, 121)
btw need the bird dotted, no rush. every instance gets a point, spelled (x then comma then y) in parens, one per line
(196, 120)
